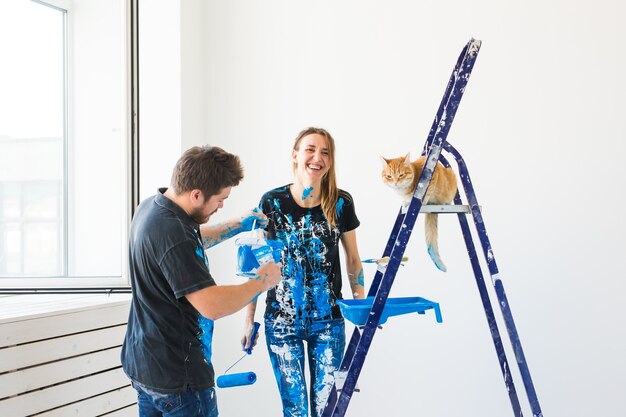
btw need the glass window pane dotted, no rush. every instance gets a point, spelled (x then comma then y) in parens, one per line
(11, 244)
(13, 239)
(41, 249)
(63, 138)
(42, 200)
(10, 206)
(32, 114)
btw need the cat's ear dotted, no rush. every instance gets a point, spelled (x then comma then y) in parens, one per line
(407, 158)
(384, 162)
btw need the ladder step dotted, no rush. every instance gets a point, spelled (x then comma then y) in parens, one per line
(358, 311)
(445, 208)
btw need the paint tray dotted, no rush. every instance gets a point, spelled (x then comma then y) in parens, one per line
(358, 311)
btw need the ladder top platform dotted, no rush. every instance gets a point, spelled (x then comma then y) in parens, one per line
(357, 311)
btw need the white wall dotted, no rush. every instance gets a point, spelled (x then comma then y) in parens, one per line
(160, 94)
(172, 68)
(540, 129)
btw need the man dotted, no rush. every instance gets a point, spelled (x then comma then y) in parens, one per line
(167, 349)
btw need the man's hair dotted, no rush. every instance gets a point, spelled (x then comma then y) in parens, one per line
(206, 168)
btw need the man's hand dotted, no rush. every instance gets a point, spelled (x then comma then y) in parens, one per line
(253, 219)
(269, 275)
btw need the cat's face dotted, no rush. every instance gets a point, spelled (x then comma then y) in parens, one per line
(397, 173)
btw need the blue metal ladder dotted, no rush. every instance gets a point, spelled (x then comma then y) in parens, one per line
(361, 340)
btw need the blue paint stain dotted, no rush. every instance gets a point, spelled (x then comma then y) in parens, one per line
(326, 343)
(200, 252)
(434, 255)
(249, 222)
(361, 278)
(307, 290)
(205, 336)
(249, 258)
(207, 242)
(339, 206)
(230, 232)
(306, 193)
(246, 262)
(272, 251)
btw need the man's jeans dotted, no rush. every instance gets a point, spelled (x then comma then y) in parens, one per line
(190, 403)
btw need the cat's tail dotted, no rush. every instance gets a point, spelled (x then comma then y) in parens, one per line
(431, 228)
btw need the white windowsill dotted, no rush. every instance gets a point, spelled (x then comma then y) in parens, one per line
(29, 306)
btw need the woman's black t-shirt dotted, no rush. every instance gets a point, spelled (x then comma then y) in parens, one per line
(311, 269)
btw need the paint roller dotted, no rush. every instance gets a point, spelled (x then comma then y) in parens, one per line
(243, 378)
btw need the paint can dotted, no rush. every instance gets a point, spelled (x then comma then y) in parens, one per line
(254, 251)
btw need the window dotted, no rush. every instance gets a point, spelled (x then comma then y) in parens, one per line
(64, 143)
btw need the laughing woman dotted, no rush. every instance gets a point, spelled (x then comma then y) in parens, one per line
(310, 217)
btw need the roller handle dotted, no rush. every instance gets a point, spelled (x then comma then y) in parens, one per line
(255, 330)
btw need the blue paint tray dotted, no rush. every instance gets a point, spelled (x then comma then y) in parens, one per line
(358, 311)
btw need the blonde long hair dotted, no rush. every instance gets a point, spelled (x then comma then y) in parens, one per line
(329, 192)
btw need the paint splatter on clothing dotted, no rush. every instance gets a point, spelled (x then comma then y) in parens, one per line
(310, 261)
(325, 344)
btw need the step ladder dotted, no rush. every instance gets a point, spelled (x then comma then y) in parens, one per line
(378, 307)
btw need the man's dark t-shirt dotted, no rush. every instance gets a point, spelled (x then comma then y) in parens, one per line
(168, 343)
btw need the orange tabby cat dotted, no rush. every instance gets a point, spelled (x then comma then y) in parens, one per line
(402, 175)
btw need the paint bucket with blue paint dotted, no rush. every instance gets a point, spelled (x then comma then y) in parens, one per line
(254, 251)
(246, 262)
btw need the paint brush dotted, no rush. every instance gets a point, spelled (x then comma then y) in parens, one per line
(379, 261)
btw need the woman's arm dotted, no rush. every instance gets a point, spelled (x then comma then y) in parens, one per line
(353, 264)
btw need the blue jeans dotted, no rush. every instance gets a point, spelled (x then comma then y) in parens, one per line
(325, 344)
(190, 403)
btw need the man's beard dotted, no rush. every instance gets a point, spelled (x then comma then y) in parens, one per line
(198, 216)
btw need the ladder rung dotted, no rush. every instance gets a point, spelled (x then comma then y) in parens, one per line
(445, 208)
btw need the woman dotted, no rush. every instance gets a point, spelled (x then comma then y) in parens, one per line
(310, 217)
